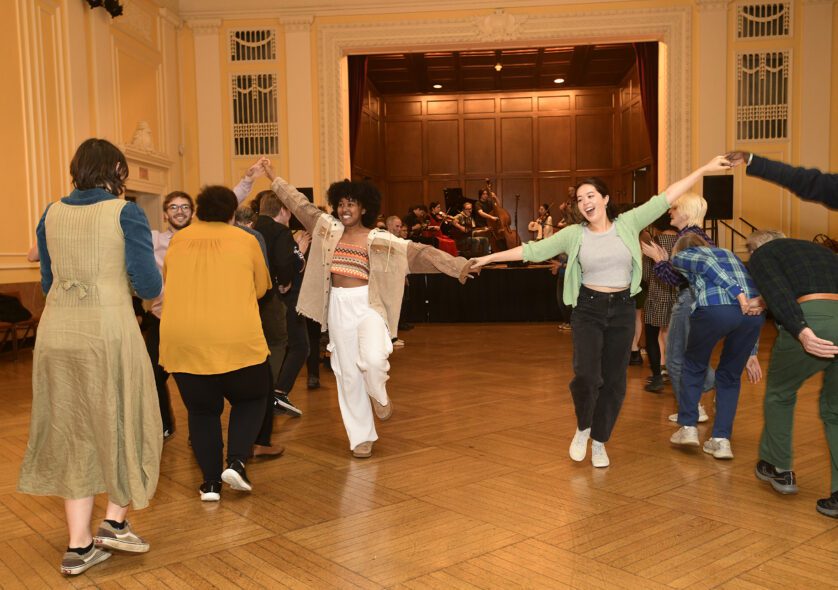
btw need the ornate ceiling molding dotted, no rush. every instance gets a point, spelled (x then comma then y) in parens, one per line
(710, 5)
(670, 25)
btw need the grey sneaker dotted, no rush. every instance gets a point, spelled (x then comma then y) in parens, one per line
(783, 482)
(686, 436)
(123, 540)
(73, 564)
(719, 448)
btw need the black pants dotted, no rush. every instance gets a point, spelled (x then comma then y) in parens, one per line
(151, 324)
(313, 361)
(653, 348)
(297, 352)
(204, 396)
(603, 328)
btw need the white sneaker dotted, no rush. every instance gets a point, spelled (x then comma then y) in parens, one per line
(719, 448)
(686, 435)
(599, 458)
(398, 343)
(702, 415)
(579, 444)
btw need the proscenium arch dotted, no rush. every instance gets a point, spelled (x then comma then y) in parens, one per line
(671, 26)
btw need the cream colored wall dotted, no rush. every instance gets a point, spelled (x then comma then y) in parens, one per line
(73, 73)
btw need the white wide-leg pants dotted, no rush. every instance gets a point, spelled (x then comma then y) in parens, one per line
(360, 344)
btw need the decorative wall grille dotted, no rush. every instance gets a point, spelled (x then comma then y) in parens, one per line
(758, 21)
(253, 45)
(762, 95)
(255, 128)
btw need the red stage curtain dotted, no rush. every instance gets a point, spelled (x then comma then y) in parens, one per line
(647, 68)
(357, 88)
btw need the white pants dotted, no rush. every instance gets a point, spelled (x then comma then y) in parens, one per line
(360, 344)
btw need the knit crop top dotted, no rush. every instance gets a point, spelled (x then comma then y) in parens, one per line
(351, 261)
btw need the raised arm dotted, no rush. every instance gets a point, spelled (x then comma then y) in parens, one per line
(297, 202)
(679, 187)
(807, 183)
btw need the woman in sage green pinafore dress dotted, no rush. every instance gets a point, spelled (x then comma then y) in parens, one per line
(95, 424)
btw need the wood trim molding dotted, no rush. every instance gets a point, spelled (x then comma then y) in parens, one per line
(669, 25)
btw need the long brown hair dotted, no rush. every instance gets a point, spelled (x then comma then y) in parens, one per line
(689, 240)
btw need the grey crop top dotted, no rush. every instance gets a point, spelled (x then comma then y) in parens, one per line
(605, 259)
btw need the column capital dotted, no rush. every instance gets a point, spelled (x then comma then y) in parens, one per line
(204, 26)
(297, 23)
(710, 5)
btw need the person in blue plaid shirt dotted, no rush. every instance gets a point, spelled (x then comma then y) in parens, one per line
(724, 310)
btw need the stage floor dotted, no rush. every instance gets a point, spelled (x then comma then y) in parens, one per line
(469, 486)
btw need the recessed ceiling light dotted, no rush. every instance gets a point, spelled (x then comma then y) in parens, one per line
(437, 86)
(498, 67)
(558, 81)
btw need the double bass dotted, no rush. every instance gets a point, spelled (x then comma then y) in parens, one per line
(503, 237)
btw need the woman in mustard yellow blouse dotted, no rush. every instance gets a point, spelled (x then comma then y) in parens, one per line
(211, 337)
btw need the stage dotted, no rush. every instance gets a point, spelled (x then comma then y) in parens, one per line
(499, 294)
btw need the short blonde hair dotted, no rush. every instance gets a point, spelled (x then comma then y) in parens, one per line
(694, 206)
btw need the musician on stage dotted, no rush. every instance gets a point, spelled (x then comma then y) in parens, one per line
(484, 206)
(468, 244)
(542, 226)
(416, 221)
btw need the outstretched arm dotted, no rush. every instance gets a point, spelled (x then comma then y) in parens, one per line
(679, 187)
(807, 183)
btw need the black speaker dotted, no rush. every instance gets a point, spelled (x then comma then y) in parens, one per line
(295, 225)
(718, 192)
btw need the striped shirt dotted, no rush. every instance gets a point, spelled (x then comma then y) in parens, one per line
(351, 261)
(717, 275)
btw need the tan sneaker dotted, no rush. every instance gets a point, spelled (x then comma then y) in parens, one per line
(686, 436)
(719, 448)
(73, 564)
(363, 450)
(383, 412)
(122, 539)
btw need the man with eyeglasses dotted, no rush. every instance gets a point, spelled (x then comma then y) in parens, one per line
(178, 208)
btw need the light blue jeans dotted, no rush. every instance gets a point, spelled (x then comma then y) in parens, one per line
(676, 343)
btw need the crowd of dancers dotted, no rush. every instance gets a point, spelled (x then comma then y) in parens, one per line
(237, 303)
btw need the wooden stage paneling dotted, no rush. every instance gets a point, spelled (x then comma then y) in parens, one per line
(470, 486)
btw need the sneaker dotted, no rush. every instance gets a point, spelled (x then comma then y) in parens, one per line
(236, 477)
(210, 491)
(564, 326)
(635, 358)
(168, 433)
(313, 383)
(123, 539)
(719, 448)
(398, 343)
(783, 482)
(73, 564)
(383, 412)
(702, 415)
(664, 372)
(363, 450)
(599, 458)
(282, 405)
(655, 384)
(579, 444)
(828, 506)
(686, 435)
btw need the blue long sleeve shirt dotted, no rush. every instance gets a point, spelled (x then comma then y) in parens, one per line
(716, 274)
(145, 278)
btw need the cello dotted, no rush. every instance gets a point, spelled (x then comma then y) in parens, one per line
(505, 238)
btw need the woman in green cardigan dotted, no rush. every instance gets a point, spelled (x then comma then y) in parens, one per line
(604, 268)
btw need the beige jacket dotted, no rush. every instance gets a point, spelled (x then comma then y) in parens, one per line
(391, 259)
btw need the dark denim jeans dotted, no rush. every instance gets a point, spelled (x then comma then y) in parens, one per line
(603, 328)
(297, 353)
(709, 325)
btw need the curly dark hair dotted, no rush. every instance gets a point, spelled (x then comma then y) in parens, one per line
(601, 188)
(363, 192)
(98, 163)
(216, 203)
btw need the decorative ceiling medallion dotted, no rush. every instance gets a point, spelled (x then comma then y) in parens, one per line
(500, 26)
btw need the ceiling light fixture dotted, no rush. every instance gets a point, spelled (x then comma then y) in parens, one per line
(498, 67)
(437, 86)
(558, 81)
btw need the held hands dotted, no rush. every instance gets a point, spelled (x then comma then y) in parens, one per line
(753, 369)
(737, 158)
(473, 269)
(744, 303)
(756, 305)
(268, 169)
(257, 169)
(480, 261)
(654, 251)
(717, 164)
(817, 346)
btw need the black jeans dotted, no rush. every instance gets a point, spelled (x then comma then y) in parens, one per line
(603, 328)
(313, 361)
(297, 352)
(151, 324)
(653, 348)
(204, 396)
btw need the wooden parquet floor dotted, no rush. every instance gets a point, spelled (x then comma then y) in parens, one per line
(470, 486)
